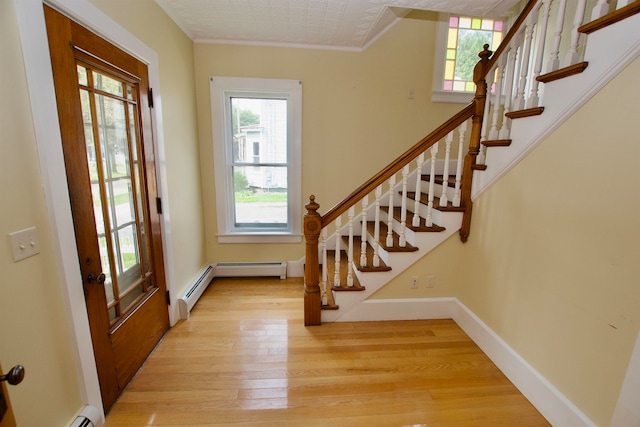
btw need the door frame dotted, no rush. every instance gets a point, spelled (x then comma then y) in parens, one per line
(35, 50)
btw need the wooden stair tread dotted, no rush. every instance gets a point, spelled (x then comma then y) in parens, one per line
(424, 199)
(423, 228)
(439, 179)
(383, 239)
(369, 267)
(479, 167)
(344, 262)
(610, 18)
(497, 143)
(528, 112)
(571, 70)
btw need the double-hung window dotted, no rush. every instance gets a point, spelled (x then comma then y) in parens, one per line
(257, 158)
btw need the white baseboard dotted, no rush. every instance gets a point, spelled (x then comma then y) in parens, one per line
(551, 403)
(295, 268)
(401, 309)
(547, 399)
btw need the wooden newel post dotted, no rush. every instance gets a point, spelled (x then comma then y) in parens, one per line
(312, 295)
(479, 73)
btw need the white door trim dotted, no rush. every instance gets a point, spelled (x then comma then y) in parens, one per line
(35, 50)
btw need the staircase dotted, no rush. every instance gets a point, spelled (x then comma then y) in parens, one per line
(426, 195)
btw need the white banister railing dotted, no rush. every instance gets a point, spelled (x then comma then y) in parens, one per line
(534, 98)
(338, 250)
(573, 56)
(462, 131)
(376, 229)
(403, 207)
(351, 214)
(554, 59)
(444, 198)
(415, 221)
(363, 242)
(392, 189)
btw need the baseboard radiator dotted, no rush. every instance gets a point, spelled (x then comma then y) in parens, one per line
(88, 417)
(251, 269)
(195, 290)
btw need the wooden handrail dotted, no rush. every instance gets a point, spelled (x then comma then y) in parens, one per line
(398, 164)
(611, 18)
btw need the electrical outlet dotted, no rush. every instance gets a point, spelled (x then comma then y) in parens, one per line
(429, 282)
(414, 282)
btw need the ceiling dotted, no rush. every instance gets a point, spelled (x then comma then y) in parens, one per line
(329, 24)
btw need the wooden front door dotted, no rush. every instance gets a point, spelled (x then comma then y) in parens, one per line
(105, 122)
(6, 413)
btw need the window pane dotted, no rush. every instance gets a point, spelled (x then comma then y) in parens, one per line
(448, 70)
(487, 24)
(260, 196)
(82, 75)
(107, 84)
(259, 130)
(452, 41)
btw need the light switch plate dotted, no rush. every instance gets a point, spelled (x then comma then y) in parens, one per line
(24, 243)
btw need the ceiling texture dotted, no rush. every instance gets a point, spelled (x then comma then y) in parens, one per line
(325, 24)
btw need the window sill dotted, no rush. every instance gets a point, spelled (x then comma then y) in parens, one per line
(451, 97)
(260, 238)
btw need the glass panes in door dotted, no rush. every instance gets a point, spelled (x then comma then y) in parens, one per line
(111, 129)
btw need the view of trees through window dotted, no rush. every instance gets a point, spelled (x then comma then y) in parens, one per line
(465, 39)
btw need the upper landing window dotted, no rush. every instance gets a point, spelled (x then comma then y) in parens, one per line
(460, 39)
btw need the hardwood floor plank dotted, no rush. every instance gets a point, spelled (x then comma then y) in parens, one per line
(245, 358)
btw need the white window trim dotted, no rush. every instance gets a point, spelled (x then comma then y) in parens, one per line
(221, 88)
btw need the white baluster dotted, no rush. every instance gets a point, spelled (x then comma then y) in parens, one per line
(403, 209)
(623, 3)
(573, 57)
(434, 151)
(325, 285)
(392, 184)
(505, 130)
(554, 59)
(493, 133)
(351, 213)
(601, 9)
(524, 65)
(363, 237)
(534, 98)
(484, 130)
(338, 236)
(415, 221)
(462, 129)
(376, 229)
(444, 198)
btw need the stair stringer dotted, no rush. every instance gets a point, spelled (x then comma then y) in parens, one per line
(608, 52)
(399, 261)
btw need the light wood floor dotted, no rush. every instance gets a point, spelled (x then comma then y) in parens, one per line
(245, 358)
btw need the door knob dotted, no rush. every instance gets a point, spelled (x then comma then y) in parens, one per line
(14, 376)
(100, 278)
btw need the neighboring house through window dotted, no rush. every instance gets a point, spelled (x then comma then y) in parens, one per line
(257, 158)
